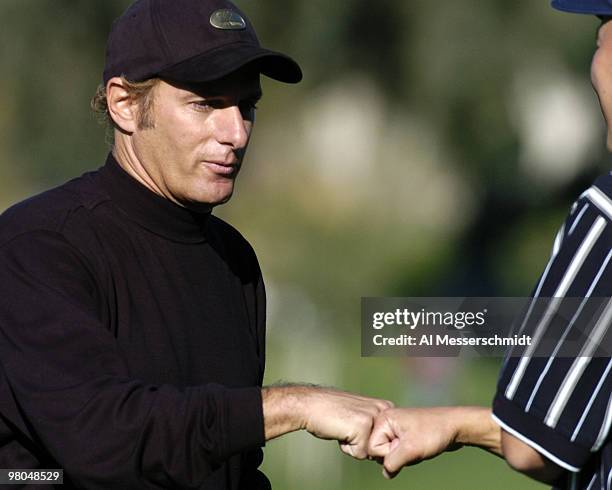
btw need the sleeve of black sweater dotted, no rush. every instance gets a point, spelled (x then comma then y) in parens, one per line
(71, 382)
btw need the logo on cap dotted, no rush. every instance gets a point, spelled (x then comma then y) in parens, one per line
(227, 20)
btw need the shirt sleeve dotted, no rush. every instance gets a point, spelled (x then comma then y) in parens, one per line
(72, 387)
(561, 406)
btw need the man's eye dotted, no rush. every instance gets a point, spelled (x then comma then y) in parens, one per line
(202, 105)
(208, 104)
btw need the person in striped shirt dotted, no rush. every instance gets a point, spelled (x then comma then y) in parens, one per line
(551, 416)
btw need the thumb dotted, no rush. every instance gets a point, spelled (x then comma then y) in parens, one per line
(394, 460)
(381, 438)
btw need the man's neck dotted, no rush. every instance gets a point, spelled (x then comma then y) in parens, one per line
(128, 160)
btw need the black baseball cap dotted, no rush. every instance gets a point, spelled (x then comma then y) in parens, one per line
(189, 41)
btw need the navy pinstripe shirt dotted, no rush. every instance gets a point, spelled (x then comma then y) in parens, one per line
(562, 407)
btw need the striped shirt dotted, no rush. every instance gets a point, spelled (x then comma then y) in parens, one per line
(562, 406)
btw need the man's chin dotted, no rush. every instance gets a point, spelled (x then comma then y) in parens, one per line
(207, 202)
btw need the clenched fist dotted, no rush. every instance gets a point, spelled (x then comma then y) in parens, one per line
(324, 412)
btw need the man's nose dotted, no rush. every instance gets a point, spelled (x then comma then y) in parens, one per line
(232, 128)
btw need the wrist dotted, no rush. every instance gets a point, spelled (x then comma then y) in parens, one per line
(463, 421)
(455, 420)
(475, 427)
(284, 409)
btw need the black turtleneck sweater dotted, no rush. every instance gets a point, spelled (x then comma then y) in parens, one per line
(131, 340)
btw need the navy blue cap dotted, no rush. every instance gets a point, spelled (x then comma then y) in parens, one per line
(594, 7)
(189, 41)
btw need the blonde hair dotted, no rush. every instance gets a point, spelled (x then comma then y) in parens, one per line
(140, 92)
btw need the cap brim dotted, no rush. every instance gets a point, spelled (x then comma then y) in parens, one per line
(592, 7)
(220, 62)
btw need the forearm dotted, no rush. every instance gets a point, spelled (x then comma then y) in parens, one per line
(324, 412)
(407, 436)
(282, 409)
(475, 427)
(111, 433)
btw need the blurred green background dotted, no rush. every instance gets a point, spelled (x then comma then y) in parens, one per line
(433, 148)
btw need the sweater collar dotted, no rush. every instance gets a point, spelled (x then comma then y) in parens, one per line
(150, 210)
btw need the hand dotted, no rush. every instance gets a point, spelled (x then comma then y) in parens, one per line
(407, 436)
(343, 416)
(324, 412)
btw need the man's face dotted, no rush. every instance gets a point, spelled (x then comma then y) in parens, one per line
(200, 133)
(601, 73)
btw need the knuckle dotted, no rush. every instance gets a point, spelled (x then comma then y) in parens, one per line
(365, 420)
(386, 404)
(360, 453)
(382, 405)
(373, 450)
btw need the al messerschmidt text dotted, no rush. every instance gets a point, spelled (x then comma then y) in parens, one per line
(451, 340)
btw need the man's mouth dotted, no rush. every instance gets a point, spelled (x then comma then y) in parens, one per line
(220, 168)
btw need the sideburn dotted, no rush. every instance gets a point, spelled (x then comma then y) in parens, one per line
(145, 113)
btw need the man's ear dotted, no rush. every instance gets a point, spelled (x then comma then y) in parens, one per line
(121, 106)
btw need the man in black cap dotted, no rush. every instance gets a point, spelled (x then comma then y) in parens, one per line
(131, 319)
